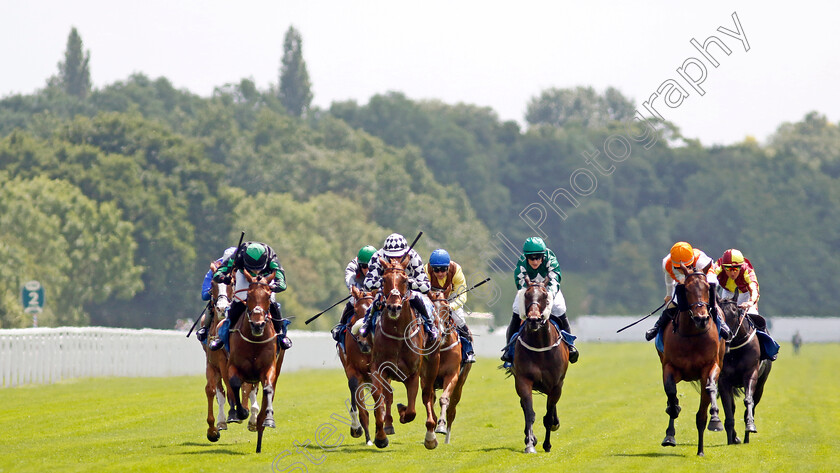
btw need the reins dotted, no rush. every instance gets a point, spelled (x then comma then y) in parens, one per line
(542, 349)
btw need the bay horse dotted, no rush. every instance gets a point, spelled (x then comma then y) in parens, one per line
(399, 351)
(254, 357)
(540, 362)
(357, 369)
(693, 351)
(452, 373)
(743, 371)
(216, 365)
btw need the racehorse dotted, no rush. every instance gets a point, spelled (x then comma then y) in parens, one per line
(254, 357)
(743, 371)
(452, 374)
(693, 352)
(216, 366)
(357, 368)
(398, 352)
(540, 362)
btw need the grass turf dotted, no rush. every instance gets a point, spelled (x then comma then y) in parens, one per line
(611, 419)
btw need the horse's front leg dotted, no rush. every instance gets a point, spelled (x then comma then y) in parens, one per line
(237, 413)
(707, 397)
(727, 398)
(379, 387)
(408, 412)
(670, 378)
(355, 425)
(524, 389)
(750, 380)
(210, 391)
(550, 420)
(428, 395)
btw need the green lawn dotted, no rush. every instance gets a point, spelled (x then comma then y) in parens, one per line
(611, 414)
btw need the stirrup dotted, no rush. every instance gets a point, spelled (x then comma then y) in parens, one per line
(469, 357)
(216, 344)
(573, 354)
(284, 343)
(201, 334)
(651, 333)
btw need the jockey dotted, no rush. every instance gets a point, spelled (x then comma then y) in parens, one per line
(539, 264)
(395, 247)
(354, 275)
(222, 303)
(447, 276)
(692, 258)
(257, 259)
(737, 280)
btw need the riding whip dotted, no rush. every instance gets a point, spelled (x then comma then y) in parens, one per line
(413, 243)
(310, 319)
(199, 318)
(643, 318)
(451, 298)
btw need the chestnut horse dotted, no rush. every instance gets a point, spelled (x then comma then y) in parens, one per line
(743, 371)
(357, 368)
(254, 357)
(540, 362)
(452, 374)
(216, 366)
(693, 352)
(398, 351)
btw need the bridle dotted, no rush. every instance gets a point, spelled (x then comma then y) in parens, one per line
(742, 315)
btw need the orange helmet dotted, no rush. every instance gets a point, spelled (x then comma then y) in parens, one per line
(731, 257)
(682, 252)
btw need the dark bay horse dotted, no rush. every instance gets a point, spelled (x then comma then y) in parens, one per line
(216, 366)
(398, 352)
(254, 357)
(540, 362)
(743, 371)
(693, 352)
(452, 374)
(357, 368)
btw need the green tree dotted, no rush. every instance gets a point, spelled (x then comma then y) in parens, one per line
(582, 104)
(295, 88)
(74, 71)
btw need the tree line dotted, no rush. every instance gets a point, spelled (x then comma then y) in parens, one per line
(117, 198)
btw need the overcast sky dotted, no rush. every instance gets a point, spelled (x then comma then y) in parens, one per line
(487, 53)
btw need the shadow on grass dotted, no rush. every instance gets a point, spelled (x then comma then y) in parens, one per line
(204, 450)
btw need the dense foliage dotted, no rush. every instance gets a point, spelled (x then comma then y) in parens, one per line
(118, 200)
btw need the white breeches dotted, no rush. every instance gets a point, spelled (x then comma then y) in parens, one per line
(240, 291)
(742, 297)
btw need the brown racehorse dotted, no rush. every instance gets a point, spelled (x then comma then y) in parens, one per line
(215, 367)
(540, 362)
(452, 374)
(743, 371)
(398, 347)
(693, 352)
(254, 357)
(357, 368)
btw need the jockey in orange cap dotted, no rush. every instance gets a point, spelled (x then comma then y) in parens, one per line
(683, 253)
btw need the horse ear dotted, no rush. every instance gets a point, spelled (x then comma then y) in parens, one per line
(527, 281)
(354, 291)
(684, 269)
(383, 261)
(405, 259)
(248, 276)
(270, 278)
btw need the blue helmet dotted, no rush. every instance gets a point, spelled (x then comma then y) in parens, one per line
(439, 258)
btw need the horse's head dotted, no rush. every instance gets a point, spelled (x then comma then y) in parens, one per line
(536, 304)
(259, 298)
(441, 303)
(220, 297)
(732, 314)
(697, 295)
(363, 301)
(394, 284)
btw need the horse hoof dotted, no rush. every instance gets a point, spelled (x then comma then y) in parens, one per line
(221, 426)
(252, 427)
(213, 436)
(555, 427)
(715, 426)
(369, 443)
(736, 441)
(530, 449)
(751, 428)
(381, 443)
(430, 444)
(242, 414)
(669, 441)
(269, 423)
(547, 448)
(389, 430)
(441, 427)
(232, 419)
(355, 433)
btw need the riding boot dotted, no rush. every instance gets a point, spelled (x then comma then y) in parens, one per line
(338, 330)
(283, 342)
(564, 325)
(234, 311)
(660, 322)
(515, 323)
(364, 347)
(201, 334)
(466, 344)
(420, 308)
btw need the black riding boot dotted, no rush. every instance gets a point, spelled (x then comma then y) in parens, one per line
(364, 347)
(466, 345)
(515, 323)
(202, 332)
(234, 311)
(660, 322)
(564, 325)
(338, 330)
(283, 342)
(420, 308)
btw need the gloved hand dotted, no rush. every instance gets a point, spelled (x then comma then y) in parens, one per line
(275, 287)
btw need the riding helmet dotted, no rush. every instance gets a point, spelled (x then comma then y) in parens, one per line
(255, 257)
(439, 258)
(533, 245)
(395, 246)
(365, 254)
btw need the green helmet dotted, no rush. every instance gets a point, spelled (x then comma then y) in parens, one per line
(256, 257)
(365, 253)
(533, 245)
